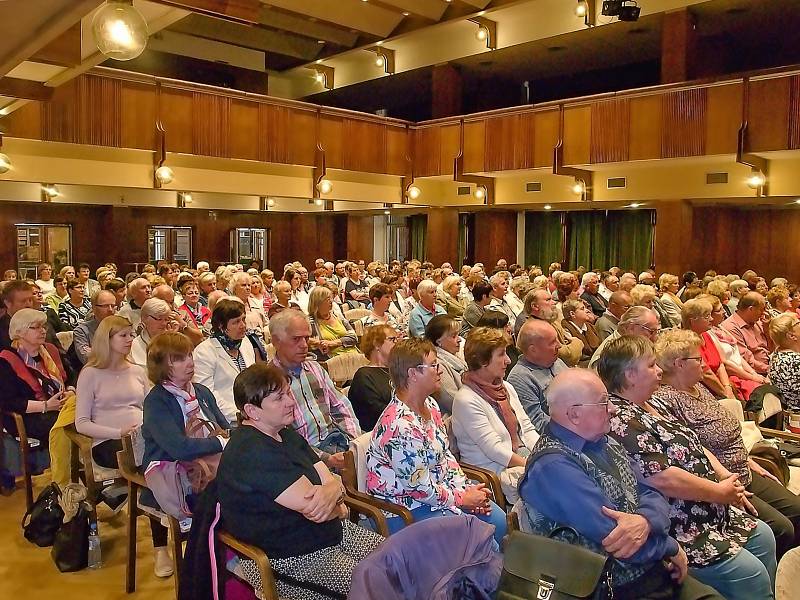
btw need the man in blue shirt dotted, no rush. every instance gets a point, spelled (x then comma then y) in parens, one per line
(425, 309)
(577, 477)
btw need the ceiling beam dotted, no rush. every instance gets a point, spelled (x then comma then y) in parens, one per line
(353, 14)
(426, 9)
(64, 51)
(172, 42)
(315, 30)
(239, 11)
(12, 87)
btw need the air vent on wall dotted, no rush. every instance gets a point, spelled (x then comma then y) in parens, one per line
(716, 178)
(617, 182)
(533, 186)
(463, 190)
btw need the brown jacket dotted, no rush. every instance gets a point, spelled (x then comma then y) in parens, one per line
(590, 338)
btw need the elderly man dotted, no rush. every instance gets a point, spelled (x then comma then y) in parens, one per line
(618, 303)
(203, 267)
(637, 320)
(499, 300)
(627, 281)
(608, 285)
(139, 291)
(591, 293)
(536, 368)
(647, 278)
(425, 309)
(539, 304)
(609, 504)
(164, 292)
(103, 305)
(738, 288)
(747, 327)
(322, 414)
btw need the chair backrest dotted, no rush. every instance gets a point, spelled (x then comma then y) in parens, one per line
(451, 437)
(65, 339)
(356, 313)
(343, 367)
(270, 351)
(126, 458)
(358, 446)
(358, 327)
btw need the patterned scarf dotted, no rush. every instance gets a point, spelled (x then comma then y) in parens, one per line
(43, 364)
(226, 341)
(186, 399)
(496, 395)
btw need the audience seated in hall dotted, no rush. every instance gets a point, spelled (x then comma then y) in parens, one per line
(443, 332)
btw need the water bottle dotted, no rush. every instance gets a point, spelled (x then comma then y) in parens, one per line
(94, 547)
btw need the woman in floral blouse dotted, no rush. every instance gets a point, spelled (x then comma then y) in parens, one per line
(726, 548)
(683, 398)
(409, 460)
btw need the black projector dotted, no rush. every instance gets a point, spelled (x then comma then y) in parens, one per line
(629, 13)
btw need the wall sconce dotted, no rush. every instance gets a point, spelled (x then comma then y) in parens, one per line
(49, 191)
(323, 75)
(480, 193)
(162, 174)
(756, 179)
(265, 203)
(413, 192)
(324, 186)
(5, 161)
(387, 208)
(487, 31)
(587, 10)
(384, 59)
(579, 187)
(119, 30)
(184, 199)
(318, 201)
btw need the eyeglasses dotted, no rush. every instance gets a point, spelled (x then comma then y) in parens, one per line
(699, 359)
(605, 402)
(392, 338)
(105, 305)
(435, 366)
(650, 329)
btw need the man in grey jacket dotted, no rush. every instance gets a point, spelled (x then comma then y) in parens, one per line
(104, 304)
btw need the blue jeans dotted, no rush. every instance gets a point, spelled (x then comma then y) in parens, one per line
(750, 575)
(497, 518)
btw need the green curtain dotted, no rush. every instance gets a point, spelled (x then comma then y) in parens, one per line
(602, 239)
(418, 229)
(542, 238)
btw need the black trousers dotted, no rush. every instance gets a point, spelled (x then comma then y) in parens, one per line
(105, 455)
(780, 509)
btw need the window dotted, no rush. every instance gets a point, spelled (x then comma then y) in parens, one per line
(170, 244)
(38, 243)
(249, 244)
(397, 237)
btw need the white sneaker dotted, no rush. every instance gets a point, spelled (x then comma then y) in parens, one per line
(163, 562)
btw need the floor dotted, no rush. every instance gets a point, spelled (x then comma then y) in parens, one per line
(27, 571)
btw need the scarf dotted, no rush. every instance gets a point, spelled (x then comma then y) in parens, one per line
(43, 364)
(197, 314)
(496, 395)
(226, 341)
(187, 400)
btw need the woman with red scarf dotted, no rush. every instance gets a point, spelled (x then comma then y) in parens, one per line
(491, 427)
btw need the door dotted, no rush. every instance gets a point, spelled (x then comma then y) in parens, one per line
(249, 244)
(38, 243)
(170, 244)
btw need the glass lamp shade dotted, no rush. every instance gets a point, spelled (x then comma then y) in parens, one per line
(164, 174)
(414, 192)
(5, 163)
(120, 30)
(325, 186)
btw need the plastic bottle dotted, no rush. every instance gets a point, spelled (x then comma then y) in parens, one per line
(94, 561)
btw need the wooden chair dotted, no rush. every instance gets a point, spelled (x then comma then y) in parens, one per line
(356, 313)
(342, 368)
(358, 327)
(65, 338)
(93, 474)
(269, 590)
(130, 471)
(26, 444)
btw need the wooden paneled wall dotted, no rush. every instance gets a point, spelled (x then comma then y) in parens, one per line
(495, 237)
(442, 235)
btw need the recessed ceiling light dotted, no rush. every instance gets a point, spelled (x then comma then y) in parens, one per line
(634, 205)
(556, 48)
(405, 14)
(547, 207)
(320, 41)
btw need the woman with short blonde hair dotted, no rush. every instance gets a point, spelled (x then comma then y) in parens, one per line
(778, 301)
(643, 295)
(784, 363)
(330, 336)
(670, 302)
(447, 296)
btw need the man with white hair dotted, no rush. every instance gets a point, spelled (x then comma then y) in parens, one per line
(637, 320)
(608, 285)
(425, 309)
(591, 293)
(322, 414)
(609, 505)
(203, 267)
(627, 281)
(139, 291)
(647, 278)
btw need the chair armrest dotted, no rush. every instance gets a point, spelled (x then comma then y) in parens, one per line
(489, 478)
(390, 507)
(370, 511)
(782, 435)
(268, 588)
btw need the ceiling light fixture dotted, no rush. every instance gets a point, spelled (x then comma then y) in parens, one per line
(318, 201)
(634, 205)
(384, 58)
(579, 187)
(164, 175)
(756, 179)
(49, 191)
(270, 202)
(487, 31)
(325, 186)
(581, 9)
(184, 199)
(119, 30)
(323, 74)
(480, 193)
(414, 192)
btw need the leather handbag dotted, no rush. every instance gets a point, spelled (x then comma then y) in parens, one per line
(43, 520)
(71, 547)
(536, 567)
(772, 459)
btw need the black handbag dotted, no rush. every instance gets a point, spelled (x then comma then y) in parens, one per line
(43, 520)
(536, 567)
(71, 547)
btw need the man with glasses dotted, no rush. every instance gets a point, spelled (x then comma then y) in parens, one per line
(747, 327)
(104, 304)
(607, 501)
(637, 320)
(618, 302)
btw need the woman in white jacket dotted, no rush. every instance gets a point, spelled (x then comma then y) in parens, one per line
(491, 428)
(228, 352)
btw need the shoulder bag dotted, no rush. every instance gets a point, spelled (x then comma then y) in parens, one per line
(43, 520)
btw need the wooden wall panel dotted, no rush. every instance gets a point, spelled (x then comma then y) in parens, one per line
(211, 118)
(176, 113)
(360, 237)
(450, 146)
(25, 122)
(138, 116)
(302, 137)
(60, 114)
(610, 131)
(509, 142)
(545, 137)
(330, 133)
(794, 113)
(366, 146)
(684, 132)
(495, 236)
(768, 115)
(475, 146)
(398, 151)
(724, 118)
(99, 111)
(243, 130)
(577, 134)
(273, 129)
(673, 235)
(427, 151)
(442, 235)
(646, 128)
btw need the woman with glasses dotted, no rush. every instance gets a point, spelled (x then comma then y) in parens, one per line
(155, 319)
(727, 549)
(330, 335)
(409, 460)
(682, 397)
(492, 428)
(443, 332)
(371, 389)
(784, 363)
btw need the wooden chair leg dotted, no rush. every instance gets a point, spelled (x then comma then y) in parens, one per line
(133, 513)
(24, 454)
(177, 553)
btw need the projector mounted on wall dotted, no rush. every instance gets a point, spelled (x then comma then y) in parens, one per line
(625, 10)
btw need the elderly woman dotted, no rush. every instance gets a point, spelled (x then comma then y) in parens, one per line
(726, 548)
(228, 352)
(257, 293)
(192, 307)
(443, 332)
(207, 282)
(297, 295)
(380, 297)
(32, 376)
(578, 322)
(409, 460)
(45, 279)
(778, 301)
(492, 428)
(448, 299)
(696, 315)
(293, 510)
(155, 320)
(425, 309)
(681, 397)
(75, 308)
(267, 281)
(330, 336)
(255, 319)
(371, 389)
(720, 289)
(784, 363)
(670, 302)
